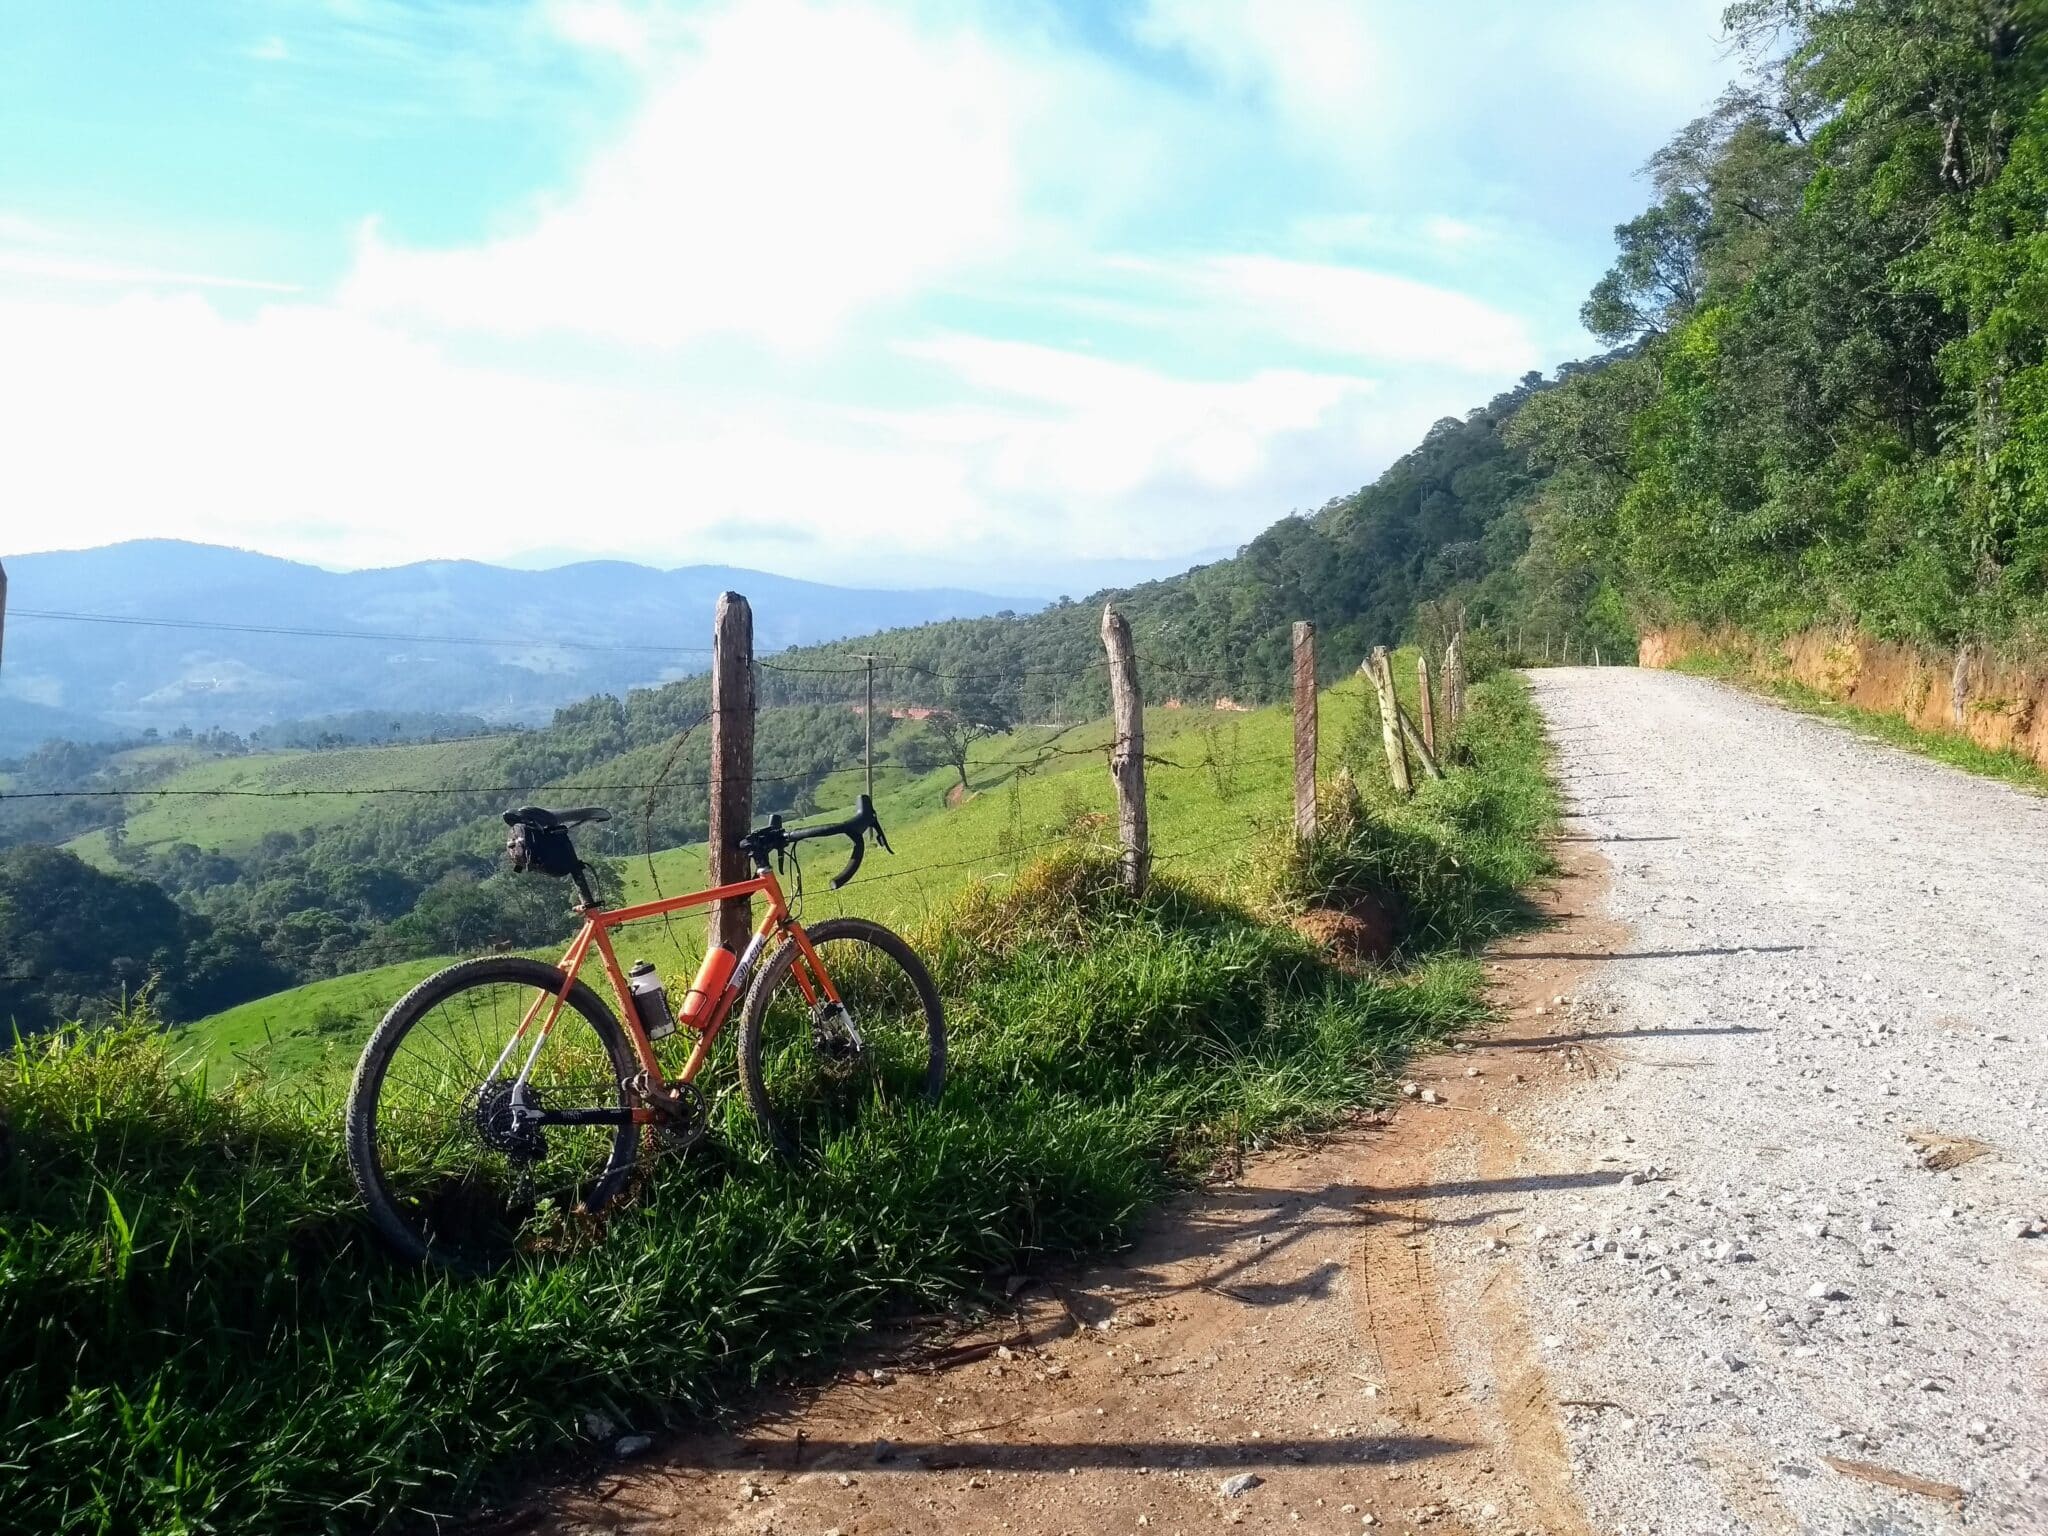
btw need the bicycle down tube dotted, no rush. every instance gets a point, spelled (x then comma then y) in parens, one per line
(811, 978)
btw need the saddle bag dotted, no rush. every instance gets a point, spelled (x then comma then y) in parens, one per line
(541, 850)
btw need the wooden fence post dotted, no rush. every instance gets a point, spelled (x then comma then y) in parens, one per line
(1382, 675)
(1454, 681)
(1958, 680)
(1305, 723)
(732, 761)
(1425, 703)
(1127, 757)
(1414, 739)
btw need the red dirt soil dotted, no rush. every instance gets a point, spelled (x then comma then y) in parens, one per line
(2002, 703)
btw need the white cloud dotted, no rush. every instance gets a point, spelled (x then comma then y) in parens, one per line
(795, 164)
(1349, 311)
(1318, 63)
(329, 436)
(1096, 431)
(86, 269)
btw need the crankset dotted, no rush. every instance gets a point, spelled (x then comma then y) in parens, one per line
(684, 1113)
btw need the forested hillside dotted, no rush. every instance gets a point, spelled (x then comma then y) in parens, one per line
(1441, 537)
(1834, 403)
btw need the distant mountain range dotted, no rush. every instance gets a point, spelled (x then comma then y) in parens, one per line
(550, 630)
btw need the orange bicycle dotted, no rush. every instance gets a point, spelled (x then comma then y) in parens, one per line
(500, 1102)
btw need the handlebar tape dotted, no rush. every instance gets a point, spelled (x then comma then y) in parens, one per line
(860, 849)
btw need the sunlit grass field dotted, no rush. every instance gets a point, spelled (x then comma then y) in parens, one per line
(1216, 779)
(232, 823)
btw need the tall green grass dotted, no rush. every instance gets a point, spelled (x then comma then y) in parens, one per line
(196, 1333)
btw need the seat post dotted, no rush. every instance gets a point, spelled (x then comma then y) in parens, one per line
(582, 878)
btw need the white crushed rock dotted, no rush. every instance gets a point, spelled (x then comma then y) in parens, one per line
(1832, 943)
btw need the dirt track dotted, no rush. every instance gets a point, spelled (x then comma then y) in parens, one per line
(1665, 1260)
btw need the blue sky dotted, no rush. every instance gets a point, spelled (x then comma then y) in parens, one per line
(1019, 295)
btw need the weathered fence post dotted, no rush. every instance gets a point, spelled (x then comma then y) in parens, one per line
(1424, 702)
(1414, 739)
(1958, 682)
(1382, 675)
(1127, 757)
(1304, 730)
(732, 761)
(1454, 681)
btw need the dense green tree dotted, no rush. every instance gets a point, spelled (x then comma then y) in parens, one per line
(74, 938)
(1834, 405)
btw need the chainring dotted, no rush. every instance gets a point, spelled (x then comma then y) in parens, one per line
(685, 1114)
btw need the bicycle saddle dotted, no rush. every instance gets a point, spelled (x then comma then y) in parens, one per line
(546, 820)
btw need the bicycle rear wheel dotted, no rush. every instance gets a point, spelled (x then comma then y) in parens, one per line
(450, 1173)
(811, 1070)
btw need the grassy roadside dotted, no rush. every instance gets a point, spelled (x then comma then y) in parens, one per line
(1949, 747)
(195, 1334)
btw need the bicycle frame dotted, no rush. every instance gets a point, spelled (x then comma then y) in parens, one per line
(598, 922)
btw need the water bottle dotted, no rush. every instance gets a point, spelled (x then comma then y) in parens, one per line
(700, 1003)
(650, 1000)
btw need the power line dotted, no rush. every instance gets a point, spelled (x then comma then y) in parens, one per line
(351, 634)
(902, 664)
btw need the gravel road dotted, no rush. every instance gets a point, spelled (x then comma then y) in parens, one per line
(1790, 1321)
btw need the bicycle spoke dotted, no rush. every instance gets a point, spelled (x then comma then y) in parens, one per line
(823, 1071)
(459, 1163)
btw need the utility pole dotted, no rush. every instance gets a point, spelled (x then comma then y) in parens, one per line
(868, 748)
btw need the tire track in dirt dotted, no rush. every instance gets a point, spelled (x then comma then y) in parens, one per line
(1339, 1321)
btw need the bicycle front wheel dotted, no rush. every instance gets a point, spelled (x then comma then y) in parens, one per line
(457, 1169)
(811, 1070)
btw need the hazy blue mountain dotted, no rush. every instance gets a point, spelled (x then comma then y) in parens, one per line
(23, 725)
(60, 677)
